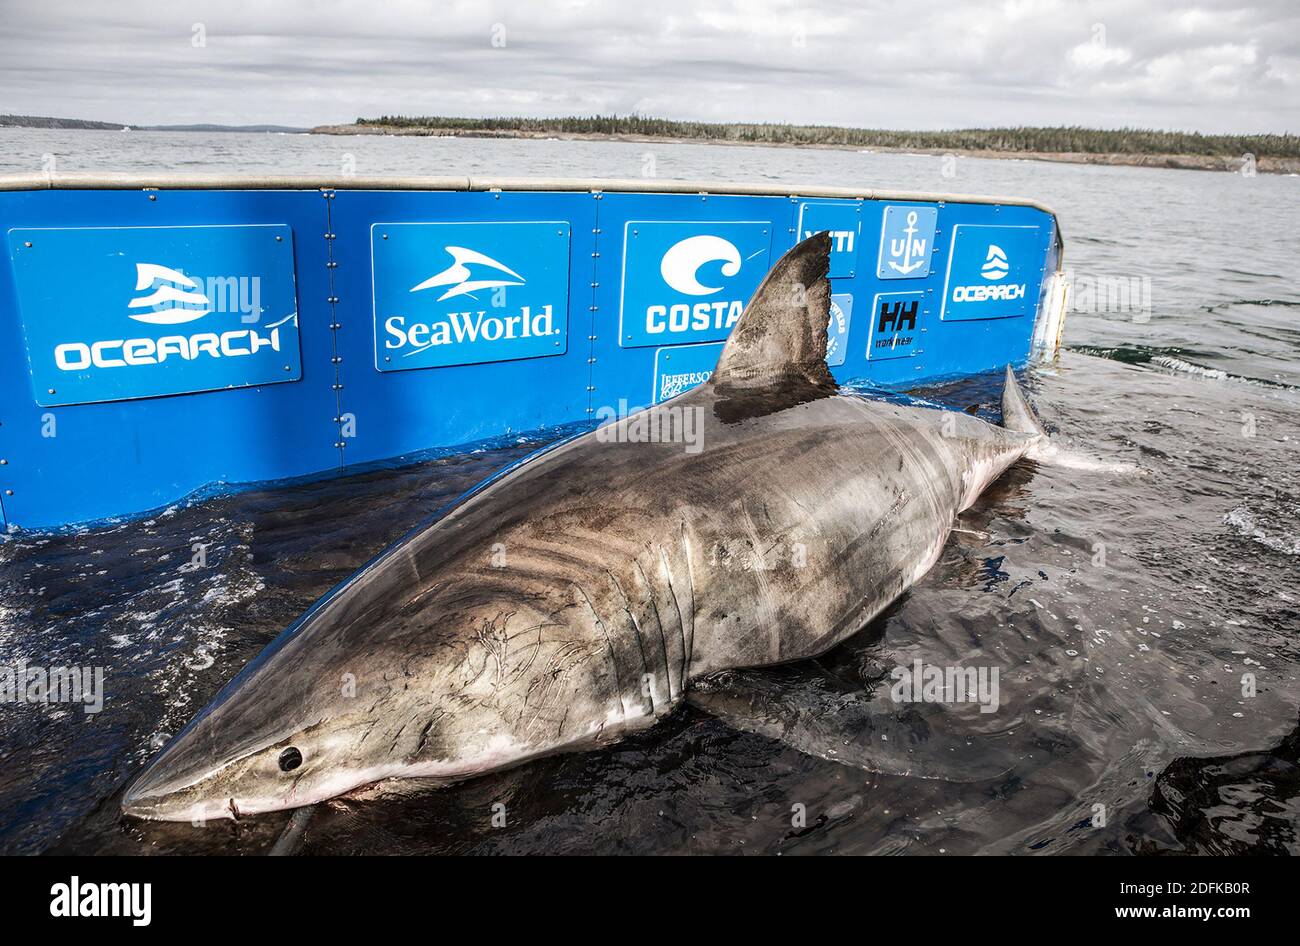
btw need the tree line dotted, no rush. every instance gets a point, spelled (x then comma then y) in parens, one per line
(1064, 139)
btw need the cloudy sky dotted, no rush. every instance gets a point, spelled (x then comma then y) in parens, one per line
(1209, 66)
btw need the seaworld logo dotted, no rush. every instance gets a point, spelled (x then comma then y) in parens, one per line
(468, 327)
(457, 275)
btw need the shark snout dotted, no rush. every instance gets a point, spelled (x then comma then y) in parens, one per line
(181, 783)
(165, 792)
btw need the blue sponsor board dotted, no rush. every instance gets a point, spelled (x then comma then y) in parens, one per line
(993, 272)
(677, 370)
(260, 431)
(689, 282)
(118, 313)
(844, 223)
(467, 293)
(837, 336)
(906, 242)
(896, 322)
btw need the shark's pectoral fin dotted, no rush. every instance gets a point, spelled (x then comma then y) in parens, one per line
(776, 356)
(812, 712)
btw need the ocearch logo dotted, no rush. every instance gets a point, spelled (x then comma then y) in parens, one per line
(168, 304)
(173, 299)
(995, 263)
(995, 268)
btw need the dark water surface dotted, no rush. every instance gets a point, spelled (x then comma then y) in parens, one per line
(1123, 610)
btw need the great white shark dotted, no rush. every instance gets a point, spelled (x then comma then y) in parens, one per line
(580, 596)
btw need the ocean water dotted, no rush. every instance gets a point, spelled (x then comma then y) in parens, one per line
(1147, 625)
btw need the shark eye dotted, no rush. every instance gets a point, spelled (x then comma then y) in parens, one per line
(290, 759)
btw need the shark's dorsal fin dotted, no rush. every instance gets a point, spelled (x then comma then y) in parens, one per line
(776, 355)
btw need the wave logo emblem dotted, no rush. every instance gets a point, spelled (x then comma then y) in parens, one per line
(681, 265)
(995, 264)
(176, 298)
(458, 276)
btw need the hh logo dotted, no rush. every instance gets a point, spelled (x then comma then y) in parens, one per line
(991, 271)
(895, 327)
(144, 324)
(480, 304)
(684, 285)
(906, 242)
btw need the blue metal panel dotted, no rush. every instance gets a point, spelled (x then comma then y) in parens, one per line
(89, 461)
(837, 332)
(387, 414)
(843, 220)
(679, 368)
(535, 278)
(906, 242)
(443, 295)
(637, 233)
(155, 310)
(687, 282)
(993, 271)
(933, 348)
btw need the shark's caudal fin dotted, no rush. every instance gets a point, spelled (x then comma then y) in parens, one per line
(1017, 415)
(776, 355)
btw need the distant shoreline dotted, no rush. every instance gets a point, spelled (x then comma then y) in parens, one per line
(1149, 149)
(1190, 162)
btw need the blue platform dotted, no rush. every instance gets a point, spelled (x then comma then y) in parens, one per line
(156, 340)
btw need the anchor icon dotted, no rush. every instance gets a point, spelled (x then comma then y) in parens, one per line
(907, 248)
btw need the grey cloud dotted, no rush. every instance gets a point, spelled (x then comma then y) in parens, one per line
(1212, 67)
